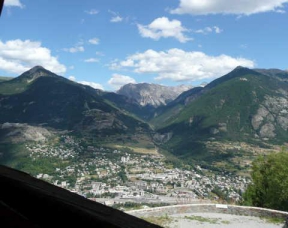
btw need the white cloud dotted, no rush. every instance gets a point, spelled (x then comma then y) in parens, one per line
(204, 31)
(94, 41)
(75, 49)
(92, 84)
(17, 56)
(92, 11)
(119, 80)
(72, 78)
(13, 3)
(217, 29)
(238, 7)
(100, 53)
(207, 30)
(163, 27)
(178, 65)
(91, 60)
(116, 19)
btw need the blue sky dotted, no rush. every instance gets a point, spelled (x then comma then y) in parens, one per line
(107, 44)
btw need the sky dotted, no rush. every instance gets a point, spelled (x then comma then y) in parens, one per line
(107, 44)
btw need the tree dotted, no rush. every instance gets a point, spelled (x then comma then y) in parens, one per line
(269, 187)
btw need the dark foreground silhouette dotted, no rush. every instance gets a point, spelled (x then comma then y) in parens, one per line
(28, 202)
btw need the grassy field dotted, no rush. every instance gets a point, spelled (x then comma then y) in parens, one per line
(140, 150)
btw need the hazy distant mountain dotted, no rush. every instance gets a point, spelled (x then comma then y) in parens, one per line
(152, 94)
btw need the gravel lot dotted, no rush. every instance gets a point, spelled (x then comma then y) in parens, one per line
(211, 220)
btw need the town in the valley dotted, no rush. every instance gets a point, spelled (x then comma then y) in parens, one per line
(116, 176)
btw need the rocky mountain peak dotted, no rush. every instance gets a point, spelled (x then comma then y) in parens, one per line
(239, 67)
(36, 72)
(152, 94)
(36, 68)
(241, 70)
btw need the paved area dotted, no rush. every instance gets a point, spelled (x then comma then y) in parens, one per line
(214, 220)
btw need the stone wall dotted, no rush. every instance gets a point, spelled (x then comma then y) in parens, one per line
(211, 208)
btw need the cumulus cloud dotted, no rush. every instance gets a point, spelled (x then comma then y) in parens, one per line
(94, 41)
(217, 29)
(92, 11)
(91, 60)
(92, 84)
(119, 80)
(75, 49)
(116, 17)
(72, 78)
(13, 3)
(207, 30)
(178, 65)
(17, 56)
(238, 7)
(163, 27)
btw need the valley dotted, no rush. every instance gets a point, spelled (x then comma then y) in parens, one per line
(119, 176)
(117, 149)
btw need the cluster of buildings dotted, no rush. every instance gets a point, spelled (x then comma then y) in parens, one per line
(66, 149)
(107, 174)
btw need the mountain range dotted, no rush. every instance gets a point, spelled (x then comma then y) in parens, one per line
(246, 107)
(41, 97)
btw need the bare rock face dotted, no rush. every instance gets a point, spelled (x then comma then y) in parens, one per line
(162, 138)
(267, 131)
(283, 122)
(259, 117)
(222, 127)
(17, 133)
(272, 113)
(214, 131)
(152, 94)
